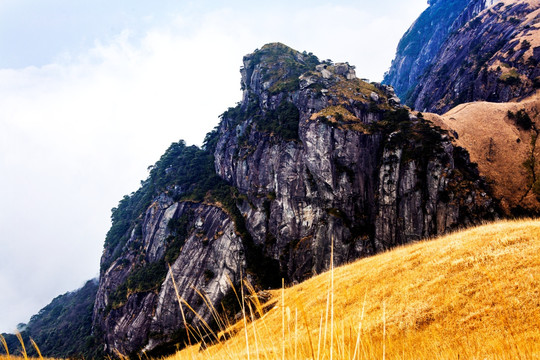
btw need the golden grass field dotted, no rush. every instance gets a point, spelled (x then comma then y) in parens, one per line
(473, 294)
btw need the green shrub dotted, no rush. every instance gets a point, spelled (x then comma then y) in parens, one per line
(283, 121)
(510, 78)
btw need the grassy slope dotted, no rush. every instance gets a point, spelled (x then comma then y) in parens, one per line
(491, 138)
(473, 294)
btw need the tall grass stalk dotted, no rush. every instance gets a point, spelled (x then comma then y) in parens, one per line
(36, 347)
(320, 337)
(4, 344)
(23, 348)
(358, 337)
(332, 300)
(245, 320)
(282, 319)
(254, 331)
(384, 331)
(295, 334)
(180, 304)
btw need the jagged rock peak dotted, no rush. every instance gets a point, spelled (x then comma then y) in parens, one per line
(282, 67)
(492, 57)
(278, 73)
(275, 67)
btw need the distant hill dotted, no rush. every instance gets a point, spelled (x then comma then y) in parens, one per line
(63, 328)
(473, 294)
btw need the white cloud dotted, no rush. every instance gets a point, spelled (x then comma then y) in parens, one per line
(78, 134)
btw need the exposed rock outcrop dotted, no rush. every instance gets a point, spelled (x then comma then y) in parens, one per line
(420, 45)
(494, 57)
(210, 259)
(311, 156)
(489, 52)
(342, 178)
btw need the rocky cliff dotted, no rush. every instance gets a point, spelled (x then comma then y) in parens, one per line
(420, 45)
(310, 156)
(170, 243)
(494, 57)
(489, 52)
(352, 174)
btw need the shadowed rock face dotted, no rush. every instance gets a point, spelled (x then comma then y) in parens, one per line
(490, 58)
(467, 51)
(315, 155)
(424, 39)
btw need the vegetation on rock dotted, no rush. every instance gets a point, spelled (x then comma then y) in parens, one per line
(61, 329)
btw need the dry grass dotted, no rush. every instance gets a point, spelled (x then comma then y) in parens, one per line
(22, 355)
(474, 294)
(497, 145)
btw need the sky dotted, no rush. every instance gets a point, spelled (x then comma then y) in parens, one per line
(93, 92)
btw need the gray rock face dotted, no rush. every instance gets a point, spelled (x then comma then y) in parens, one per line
(420, 45)
(211, 257)
(315, 156)
(335, 183)
(464, 51)
(487, 59)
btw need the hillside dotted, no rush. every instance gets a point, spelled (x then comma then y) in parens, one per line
(63, 328)
(472, 294)
(502, 139)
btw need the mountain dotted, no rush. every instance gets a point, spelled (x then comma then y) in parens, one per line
(481, 80)
(420, 45)
(311, 154)
(469, 295)
(489, 52)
